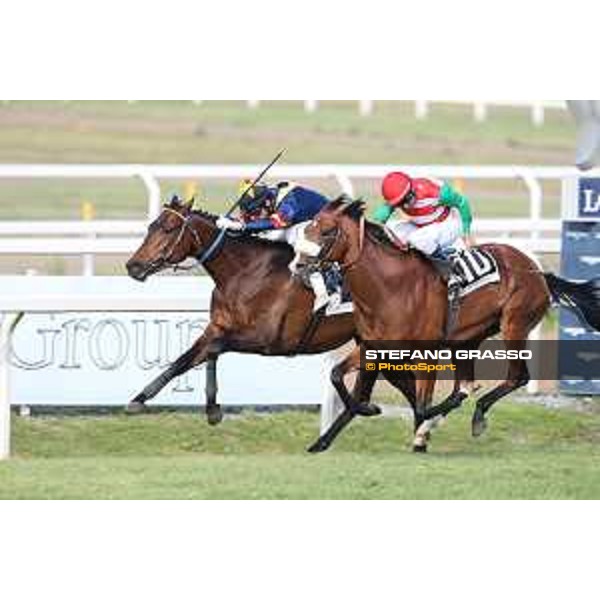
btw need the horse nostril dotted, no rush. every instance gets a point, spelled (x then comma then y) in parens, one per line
(135, 270)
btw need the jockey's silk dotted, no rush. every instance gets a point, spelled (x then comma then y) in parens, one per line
(424, 207)
(430, 203)
(295, 204)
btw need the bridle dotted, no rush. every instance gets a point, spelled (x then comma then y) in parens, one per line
(208, 253)
(333, 236)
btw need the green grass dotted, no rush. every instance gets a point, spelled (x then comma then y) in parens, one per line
(529, 452)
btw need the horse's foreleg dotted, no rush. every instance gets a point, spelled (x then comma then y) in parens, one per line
(325, 441)
(351, 410)
(361, 394)
(195, 356)
(405, 384)
(424, 395)
(214, 415)
(464, 386)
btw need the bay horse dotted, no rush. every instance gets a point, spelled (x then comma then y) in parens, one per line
(399, 295)
(257, 307)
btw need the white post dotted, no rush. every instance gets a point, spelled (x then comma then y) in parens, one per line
(538, 114)
(88, 262)
(345, 183)
(480, 112)
(533, 387)
(5, 331)
(421, 109)
(253, 103)
(365, 107)
(87, 215)
(310, 106)
(587, 113)
(153, 189)
(536, 203)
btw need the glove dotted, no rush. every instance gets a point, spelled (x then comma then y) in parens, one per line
(228, 224)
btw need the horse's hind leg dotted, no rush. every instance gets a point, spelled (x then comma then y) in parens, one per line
(518, 377)
(464, 386)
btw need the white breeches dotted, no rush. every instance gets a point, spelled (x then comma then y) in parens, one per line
(292, 235)
(431, 237)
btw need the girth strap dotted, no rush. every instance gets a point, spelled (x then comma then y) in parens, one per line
(310, 331)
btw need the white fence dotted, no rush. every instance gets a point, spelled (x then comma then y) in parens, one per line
(533, 234)
(480, 108)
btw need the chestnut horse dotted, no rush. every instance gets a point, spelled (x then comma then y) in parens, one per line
(258, 306)
(398, 295)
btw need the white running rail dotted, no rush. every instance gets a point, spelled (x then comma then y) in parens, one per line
(533, 234)
(480, 107)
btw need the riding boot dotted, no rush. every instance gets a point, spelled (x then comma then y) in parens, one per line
(446, 266)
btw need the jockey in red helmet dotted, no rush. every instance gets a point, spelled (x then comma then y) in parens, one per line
(437, 214)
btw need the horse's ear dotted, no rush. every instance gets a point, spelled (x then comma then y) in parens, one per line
(175, 201)
(337, 203)
(190, 203)
(355, 210)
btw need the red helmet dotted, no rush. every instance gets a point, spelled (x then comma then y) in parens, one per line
(395, 187)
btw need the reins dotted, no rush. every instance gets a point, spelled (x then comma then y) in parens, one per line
(202, 257)
(327, 250)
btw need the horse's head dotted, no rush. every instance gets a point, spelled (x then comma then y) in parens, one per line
(169, 241)
(336, 234)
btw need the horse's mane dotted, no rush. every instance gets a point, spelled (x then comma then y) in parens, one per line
(205, 215)
(355, 210)
(378, 235)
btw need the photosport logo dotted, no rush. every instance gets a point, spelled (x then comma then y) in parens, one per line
(589, 198)
(545, 360)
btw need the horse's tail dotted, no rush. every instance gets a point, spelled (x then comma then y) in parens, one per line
(583, 299)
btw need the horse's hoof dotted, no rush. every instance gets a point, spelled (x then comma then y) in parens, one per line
(215, 416)
(420, 449)
(478, 427)
(318, 447)
(135, 408)
(368, 410)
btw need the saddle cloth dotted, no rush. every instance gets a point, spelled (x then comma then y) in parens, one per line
(475, 269)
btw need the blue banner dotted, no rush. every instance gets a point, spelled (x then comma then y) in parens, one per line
(589, 198)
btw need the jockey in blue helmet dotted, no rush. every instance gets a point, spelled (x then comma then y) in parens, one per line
(280, 212)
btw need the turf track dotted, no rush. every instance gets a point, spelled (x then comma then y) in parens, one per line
(530, 452)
